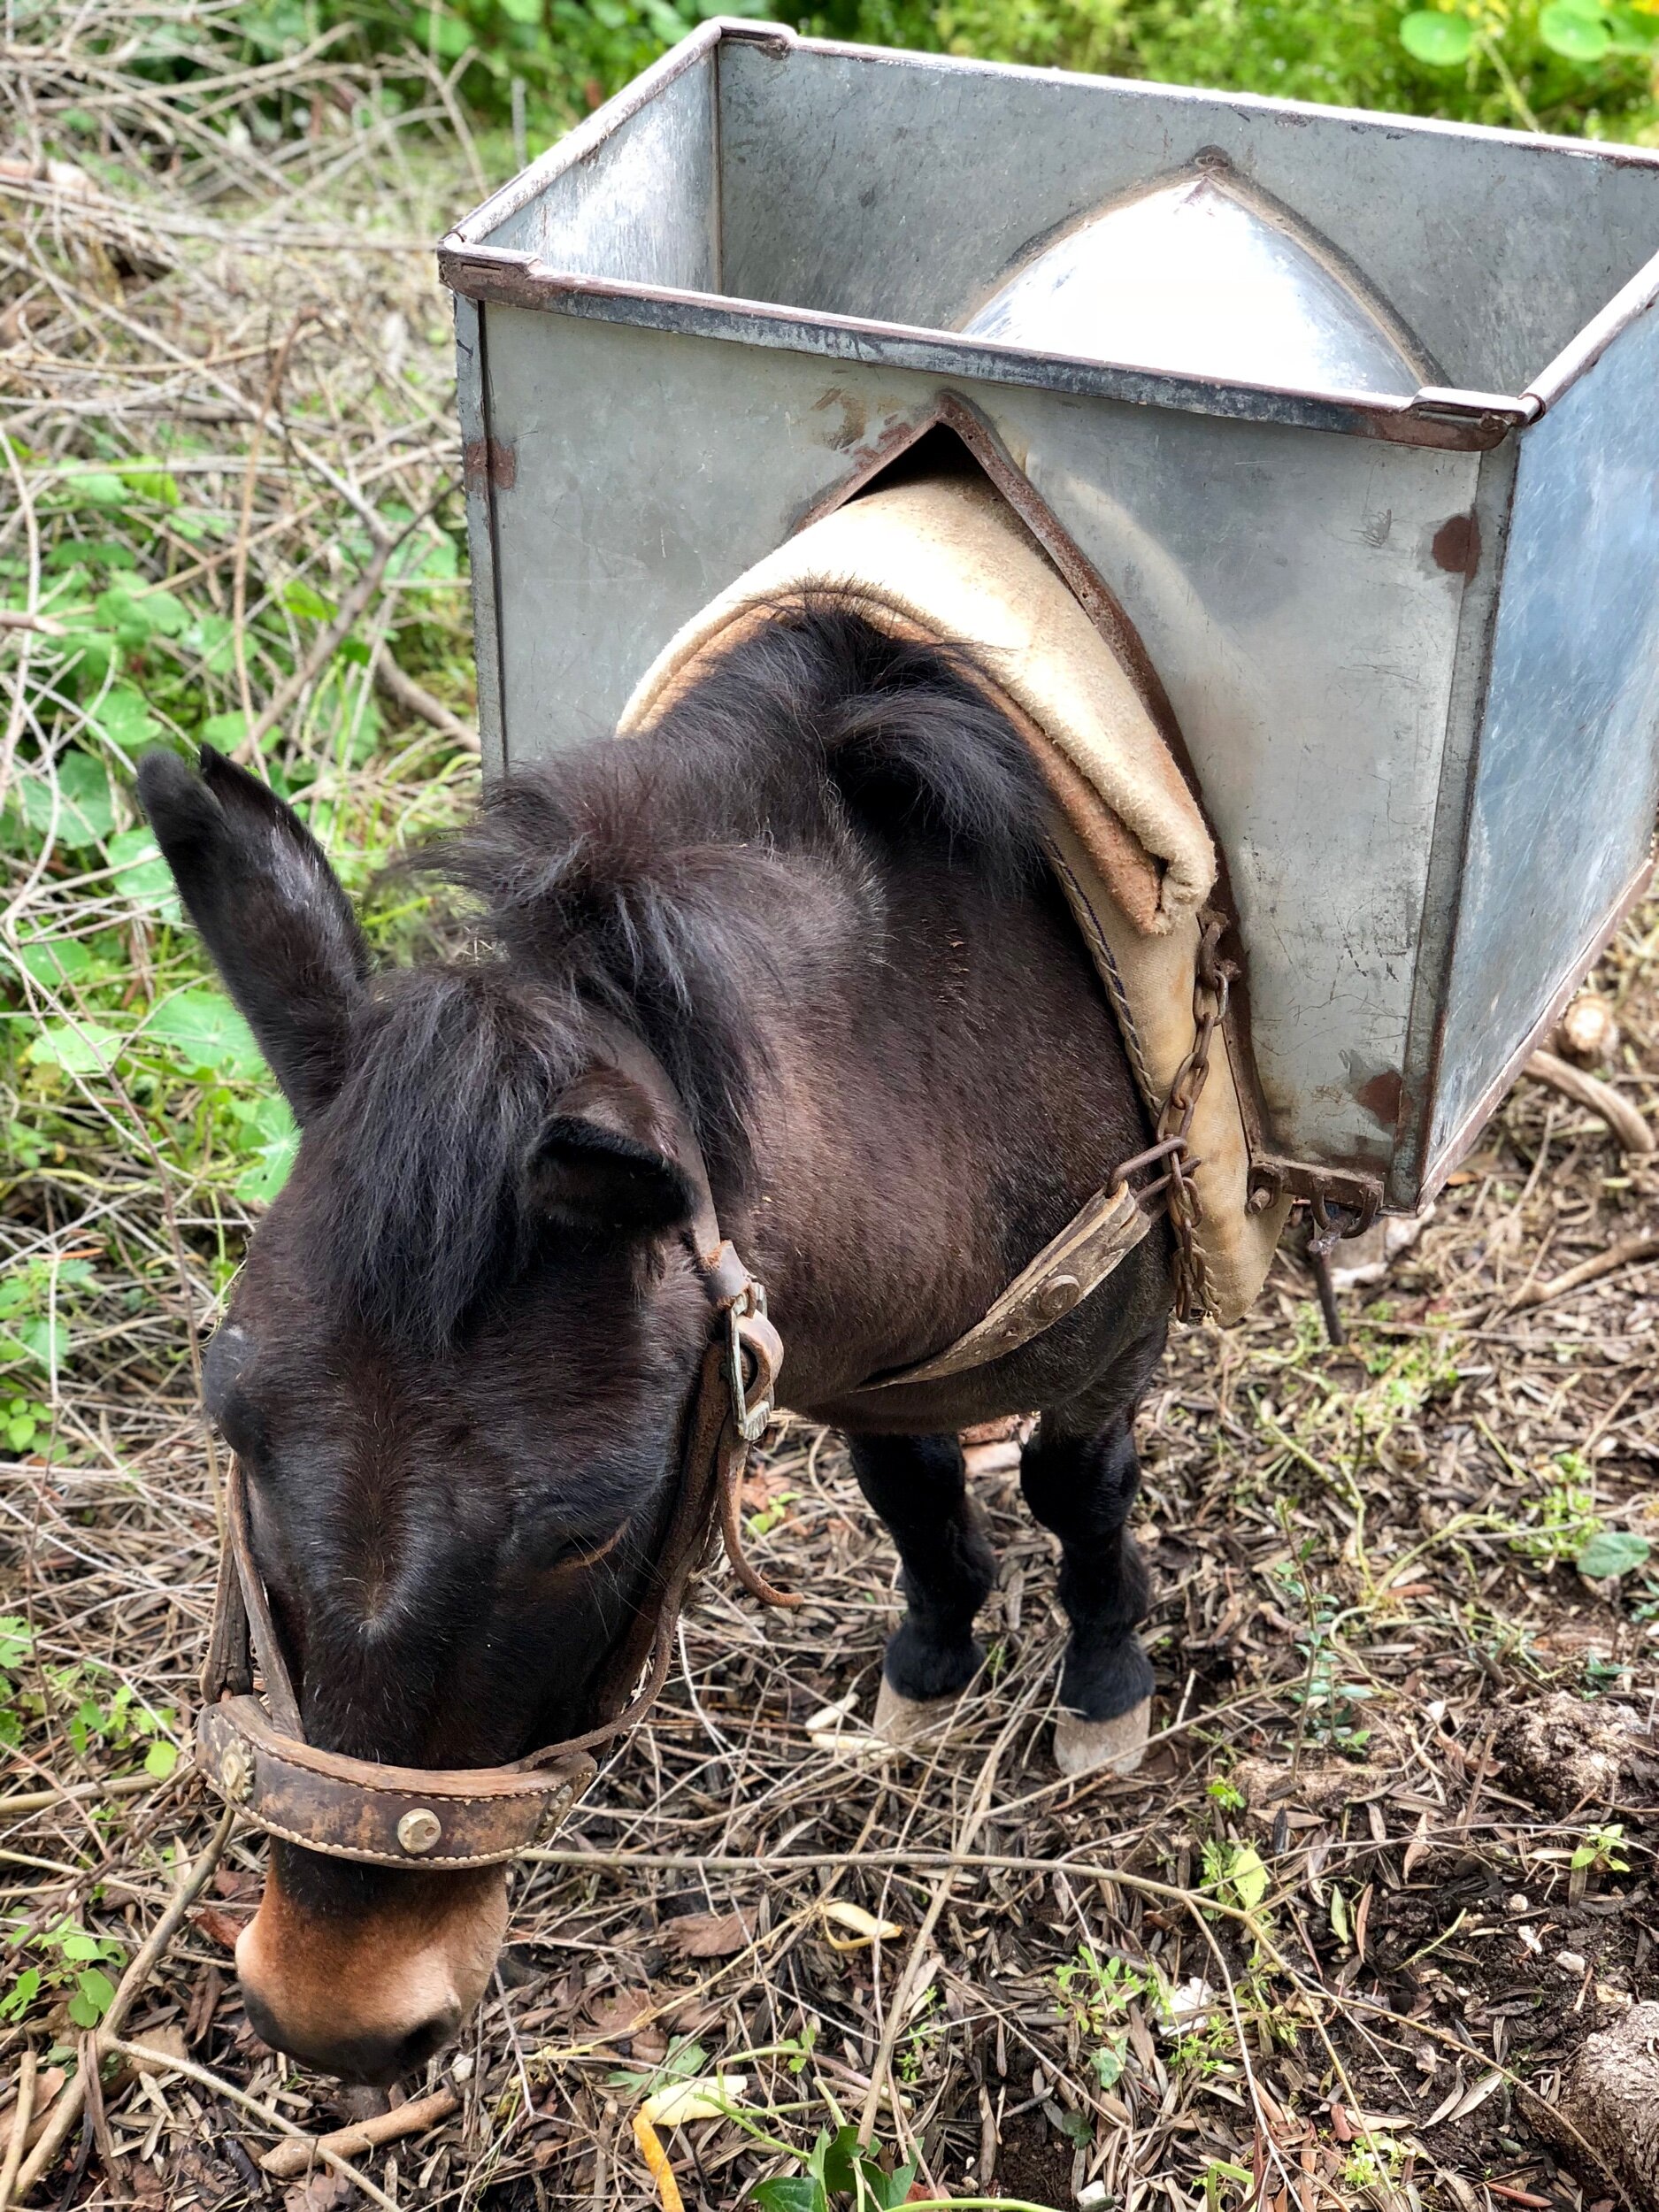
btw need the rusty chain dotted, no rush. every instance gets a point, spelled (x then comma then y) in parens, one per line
(1213, 981)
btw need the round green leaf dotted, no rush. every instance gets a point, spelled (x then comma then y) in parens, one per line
(95, 1993)
(161, 1758)
(82, 812)
(123, 716)
(79, 1048)
(1612, 1551)
(258, 1184)
(1632, 30)
(299, 597)
(1444, 41)
(142, 874)
(207, 1033)
(1580, 32)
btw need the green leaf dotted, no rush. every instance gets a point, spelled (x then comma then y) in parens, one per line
(123, 716)
(522, 11)
(258, 1184)
(790, 2193)
(56, 961)
(212, 639)
(1612, 1551)
(299, 597)
(84, 811)
(1634, 30)
(1443, 42)
(1077, 2129)
(1571, 28)
(1248, 1876)
(837, 2157)
(1107, 2062)
(95, 1993)
(161, 1758)
(151, 480)
(142, 874)
(225, 731)
(88, 655)
(79, 1047)
(21, 1994)
(92, 487)
(207, 1033)
(136, 615)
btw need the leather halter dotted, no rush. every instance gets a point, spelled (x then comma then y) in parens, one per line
(256, 1754)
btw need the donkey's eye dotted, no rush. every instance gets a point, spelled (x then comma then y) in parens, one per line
(586, 1550)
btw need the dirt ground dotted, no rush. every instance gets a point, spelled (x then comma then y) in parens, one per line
(1387, 1868)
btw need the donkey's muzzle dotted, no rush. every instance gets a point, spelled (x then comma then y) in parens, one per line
(381, 1815)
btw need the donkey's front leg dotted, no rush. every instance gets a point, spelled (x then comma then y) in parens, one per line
(915, 1484)
(1082, 1487)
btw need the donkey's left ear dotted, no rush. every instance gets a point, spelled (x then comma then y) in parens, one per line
(602, 1162)
(270, 910)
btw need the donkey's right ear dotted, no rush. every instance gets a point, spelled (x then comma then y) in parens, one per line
(270, 910)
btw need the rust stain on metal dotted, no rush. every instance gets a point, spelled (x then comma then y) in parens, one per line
(855, 417)
(1456, 547)
(1381, 1096)
(488, 460)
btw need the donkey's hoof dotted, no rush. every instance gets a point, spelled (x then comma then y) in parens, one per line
(1090, 1746)
(903, 1720)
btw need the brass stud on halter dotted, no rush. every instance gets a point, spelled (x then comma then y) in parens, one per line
(420, 1830)
(235, 1775)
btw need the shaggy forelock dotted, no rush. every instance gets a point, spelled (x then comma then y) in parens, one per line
(427, 1143)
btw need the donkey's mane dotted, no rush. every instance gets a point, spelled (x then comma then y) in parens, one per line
(671, 882)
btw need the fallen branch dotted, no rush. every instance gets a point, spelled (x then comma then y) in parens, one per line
(43, 1801)
(67, 2111)
(401, 689)
(1629, 1130)
(22, 2113)
(1625, 1253)
(293, 2157)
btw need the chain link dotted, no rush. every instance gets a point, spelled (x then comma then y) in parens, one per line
(1212, 981)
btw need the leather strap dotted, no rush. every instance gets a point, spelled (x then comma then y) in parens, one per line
(379, 1815)
(1063, 1275)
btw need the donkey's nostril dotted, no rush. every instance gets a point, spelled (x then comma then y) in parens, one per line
(418, 2047)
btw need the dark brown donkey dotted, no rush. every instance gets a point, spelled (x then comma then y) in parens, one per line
(456, 1362)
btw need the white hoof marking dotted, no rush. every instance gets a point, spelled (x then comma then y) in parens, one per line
(1086, 1747)
(903, 1720)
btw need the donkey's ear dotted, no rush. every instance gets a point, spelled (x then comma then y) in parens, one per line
(270, 910)
(601, 1163)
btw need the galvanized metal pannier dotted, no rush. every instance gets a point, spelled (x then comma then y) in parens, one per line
(1348, 422)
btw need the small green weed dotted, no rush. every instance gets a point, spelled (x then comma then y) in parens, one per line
(64, 1958)
(96, 1710)
(1235, 1874)
(1328, 1704)
(1599, 1852)
(1094, 1993)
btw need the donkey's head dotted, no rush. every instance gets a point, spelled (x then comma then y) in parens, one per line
(454, 1369)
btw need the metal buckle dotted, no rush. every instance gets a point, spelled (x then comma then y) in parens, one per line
(750, 1348)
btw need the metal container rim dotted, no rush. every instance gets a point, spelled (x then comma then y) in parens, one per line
(1454, 417)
